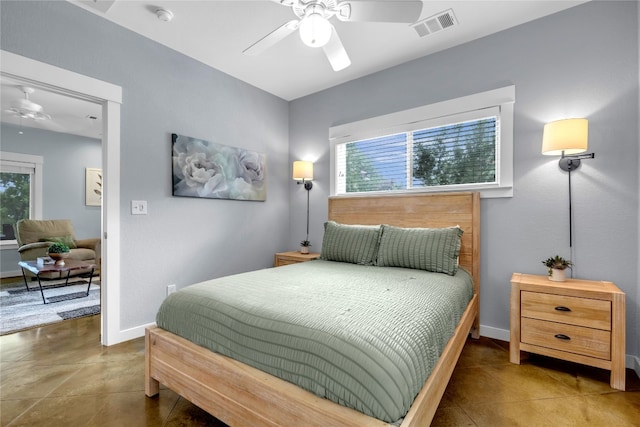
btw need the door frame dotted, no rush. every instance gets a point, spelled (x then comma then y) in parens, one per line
(109, 96)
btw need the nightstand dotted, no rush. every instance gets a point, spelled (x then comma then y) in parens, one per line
(293, 257)
(580, 321)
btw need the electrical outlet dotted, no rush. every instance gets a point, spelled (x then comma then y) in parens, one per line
(171, 289)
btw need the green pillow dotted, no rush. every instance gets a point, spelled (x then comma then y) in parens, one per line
(356, 244)
(430, 249)
(67, 240)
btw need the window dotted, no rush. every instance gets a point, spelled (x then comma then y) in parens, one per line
(465, 144)
(20, 192)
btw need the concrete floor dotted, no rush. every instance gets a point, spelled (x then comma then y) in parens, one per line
(60, 375)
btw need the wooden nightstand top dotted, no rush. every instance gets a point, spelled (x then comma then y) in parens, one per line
(579, 287)
(298, 255)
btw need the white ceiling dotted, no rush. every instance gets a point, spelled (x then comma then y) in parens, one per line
(216, 33)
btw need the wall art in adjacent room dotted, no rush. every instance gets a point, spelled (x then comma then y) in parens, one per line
(93, 187)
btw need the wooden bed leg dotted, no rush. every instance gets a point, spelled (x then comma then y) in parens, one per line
(151, 386)
(475, 330)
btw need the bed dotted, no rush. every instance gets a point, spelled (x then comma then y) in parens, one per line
(241, 395)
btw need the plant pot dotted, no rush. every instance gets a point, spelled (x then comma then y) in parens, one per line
(558, 275)
(304, 249)
(58, 257)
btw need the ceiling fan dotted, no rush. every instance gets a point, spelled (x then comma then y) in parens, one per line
(316, 30)
(27, 109)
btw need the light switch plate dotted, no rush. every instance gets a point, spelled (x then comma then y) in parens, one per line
(138, 207)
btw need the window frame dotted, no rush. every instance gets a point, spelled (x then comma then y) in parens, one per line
(35, 163)
(422, 117)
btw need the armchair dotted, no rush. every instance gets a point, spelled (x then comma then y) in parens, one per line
(35, 236)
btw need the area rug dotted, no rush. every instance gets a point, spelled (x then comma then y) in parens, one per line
(20, 309)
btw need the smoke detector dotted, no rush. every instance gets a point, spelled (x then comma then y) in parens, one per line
(165, 15)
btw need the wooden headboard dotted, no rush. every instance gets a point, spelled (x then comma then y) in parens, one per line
(434, 210)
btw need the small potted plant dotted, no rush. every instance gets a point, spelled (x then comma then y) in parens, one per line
(556, 268)
(58, 251)
(304, 246)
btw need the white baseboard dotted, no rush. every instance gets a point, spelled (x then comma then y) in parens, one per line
(15, 273)
(495, 333)
(132, 333)
(633, 362)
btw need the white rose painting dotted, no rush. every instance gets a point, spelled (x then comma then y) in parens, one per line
(209, 170)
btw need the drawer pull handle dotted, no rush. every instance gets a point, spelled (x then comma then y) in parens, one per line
(562, 308)
(562, 337)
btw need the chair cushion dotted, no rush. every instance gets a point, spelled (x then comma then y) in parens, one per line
(67, 240)
(82, 254)
(31, 230)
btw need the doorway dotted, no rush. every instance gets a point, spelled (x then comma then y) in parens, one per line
(57, 80)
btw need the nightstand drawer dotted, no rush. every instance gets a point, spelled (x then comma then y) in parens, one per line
(293, 257)
(591, 313)
(286, 261)
(573, 339)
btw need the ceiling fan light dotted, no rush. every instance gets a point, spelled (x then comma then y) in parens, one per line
(315, 30)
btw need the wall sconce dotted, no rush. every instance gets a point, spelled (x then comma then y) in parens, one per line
(303, 174)
(567, 138)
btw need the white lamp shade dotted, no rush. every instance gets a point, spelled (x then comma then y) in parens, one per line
(302, 171)
(569, 136)
(315, 30)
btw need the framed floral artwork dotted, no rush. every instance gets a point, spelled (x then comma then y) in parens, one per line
(93, 187)
(206, 169)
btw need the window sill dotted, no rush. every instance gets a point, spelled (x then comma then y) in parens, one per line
(485, 193)
(9, 244)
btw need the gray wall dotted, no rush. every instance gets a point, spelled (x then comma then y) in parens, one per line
(582, 62)
(181, 240)
(65, 159)
(637, 299)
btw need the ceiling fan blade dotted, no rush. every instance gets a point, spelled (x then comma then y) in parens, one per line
(380, 11)
(336, 54)
(272, 38)
(287, 2)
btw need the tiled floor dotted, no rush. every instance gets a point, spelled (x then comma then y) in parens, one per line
(60, 375)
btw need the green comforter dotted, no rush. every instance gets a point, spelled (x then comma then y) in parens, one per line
(366, 337)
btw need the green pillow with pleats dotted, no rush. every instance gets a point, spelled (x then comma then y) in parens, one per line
(430, 249)
(356, 244)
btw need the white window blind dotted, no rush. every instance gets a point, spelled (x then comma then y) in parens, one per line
(459, 145)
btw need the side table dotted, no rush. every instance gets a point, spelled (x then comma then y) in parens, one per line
(581, 321)
(69, 265)
(293, 257)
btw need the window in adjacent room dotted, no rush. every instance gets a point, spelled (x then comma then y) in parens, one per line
(465, 144)
(20, 192)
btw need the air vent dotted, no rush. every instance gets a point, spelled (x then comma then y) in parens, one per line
(435, 23)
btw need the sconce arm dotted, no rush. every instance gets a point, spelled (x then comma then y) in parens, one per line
(572, 162)
(308, 185)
